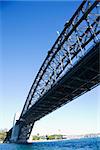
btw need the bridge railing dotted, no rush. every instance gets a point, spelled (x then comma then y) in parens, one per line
(79, 33)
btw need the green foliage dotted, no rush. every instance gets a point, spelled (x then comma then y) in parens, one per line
(3, 134)
(47, 137)
(35, 138)
(55, 136)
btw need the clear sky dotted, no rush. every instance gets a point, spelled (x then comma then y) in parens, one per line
(27, 32)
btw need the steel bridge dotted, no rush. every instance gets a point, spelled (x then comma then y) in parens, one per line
(70, 69)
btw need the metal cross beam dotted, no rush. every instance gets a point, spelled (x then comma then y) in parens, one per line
(71, 48)
(79, 32)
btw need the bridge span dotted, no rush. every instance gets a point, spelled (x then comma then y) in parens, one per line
(70, 69)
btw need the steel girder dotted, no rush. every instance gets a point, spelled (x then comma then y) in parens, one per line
(79, 33)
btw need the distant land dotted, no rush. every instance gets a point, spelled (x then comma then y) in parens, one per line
(51, 137)
(61, 137)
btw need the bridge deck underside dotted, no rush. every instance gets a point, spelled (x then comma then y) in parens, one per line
(80, 79)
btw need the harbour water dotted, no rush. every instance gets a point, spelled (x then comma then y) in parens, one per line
(78, 144)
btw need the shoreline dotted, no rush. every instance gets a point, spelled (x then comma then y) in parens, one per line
(57, 140)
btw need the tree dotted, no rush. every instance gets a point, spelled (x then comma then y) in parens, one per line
(3, 134)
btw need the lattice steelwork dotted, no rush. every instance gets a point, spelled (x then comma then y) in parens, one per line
(79, 33)
(25, 132)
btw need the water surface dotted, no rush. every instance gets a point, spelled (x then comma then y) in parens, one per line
(80, 144)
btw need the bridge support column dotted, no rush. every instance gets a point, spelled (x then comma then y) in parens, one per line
(15, 133)
(21, 132)
(25, 132)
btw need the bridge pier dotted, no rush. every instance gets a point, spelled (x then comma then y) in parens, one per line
(70, 69)
(21, 132)
(15, 131)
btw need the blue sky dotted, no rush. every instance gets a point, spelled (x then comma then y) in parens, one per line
(28, 31)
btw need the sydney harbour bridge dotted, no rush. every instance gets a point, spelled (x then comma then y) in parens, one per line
(70, 69)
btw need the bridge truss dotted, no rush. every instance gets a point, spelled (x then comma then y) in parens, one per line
(79, 34)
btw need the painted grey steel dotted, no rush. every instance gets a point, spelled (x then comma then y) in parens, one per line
(79, 34)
